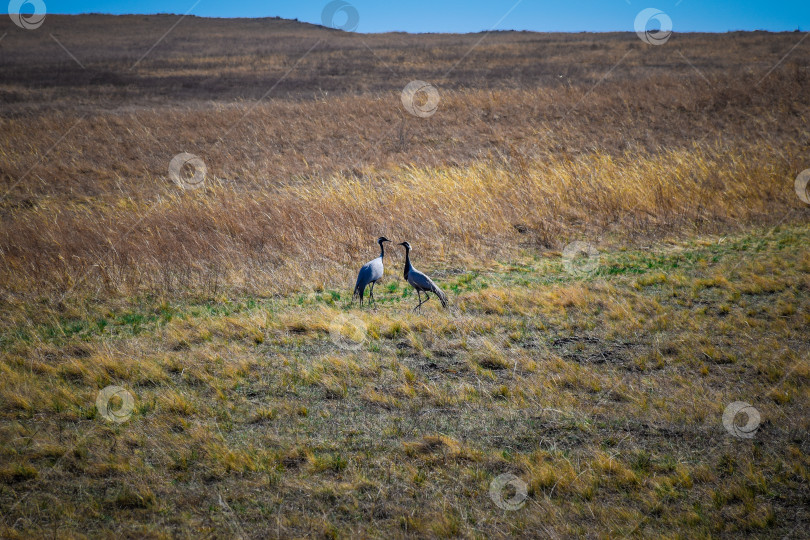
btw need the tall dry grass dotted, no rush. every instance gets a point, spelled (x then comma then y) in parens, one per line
(110, 153)
(289, 236)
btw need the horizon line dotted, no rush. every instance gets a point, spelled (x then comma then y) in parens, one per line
(631, 31)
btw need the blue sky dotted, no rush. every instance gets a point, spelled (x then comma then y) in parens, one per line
(477, 15)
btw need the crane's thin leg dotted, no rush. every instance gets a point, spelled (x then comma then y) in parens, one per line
(363, 290)
(420, 299)
(371, 292)
(427, 297)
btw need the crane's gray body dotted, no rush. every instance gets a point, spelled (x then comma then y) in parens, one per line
(370, 273)
(420, 281)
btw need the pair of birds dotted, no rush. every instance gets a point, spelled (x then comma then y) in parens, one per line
(373, 270)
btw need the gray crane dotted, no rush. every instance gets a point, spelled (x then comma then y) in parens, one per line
(420, 281)
(370, 273)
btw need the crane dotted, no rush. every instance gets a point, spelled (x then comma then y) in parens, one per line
(370, 273)
(420, 281)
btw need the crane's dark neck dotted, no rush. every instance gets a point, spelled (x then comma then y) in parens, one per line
(382, 249)
(407, 263)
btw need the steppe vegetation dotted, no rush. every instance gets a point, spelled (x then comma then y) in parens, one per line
(256, 415)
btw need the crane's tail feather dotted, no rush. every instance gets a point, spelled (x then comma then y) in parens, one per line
(442, 297)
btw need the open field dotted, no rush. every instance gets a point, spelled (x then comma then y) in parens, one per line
(265, 404)
(262, 417)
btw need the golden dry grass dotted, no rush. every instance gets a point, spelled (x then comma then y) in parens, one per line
(289, 236)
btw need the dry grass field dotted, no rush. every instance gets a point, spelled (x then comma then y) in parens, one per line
(257, 401)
